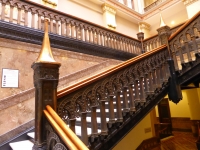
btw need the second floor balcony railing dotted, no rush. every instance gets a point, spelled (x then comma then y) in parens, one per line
(30, 14)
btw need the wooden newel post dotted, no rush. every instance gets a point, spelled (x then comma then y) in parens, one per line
(140, 37)
(174, 92)
(46, 75)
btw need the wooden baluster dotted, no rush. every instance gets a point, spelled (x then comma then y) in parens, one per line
(94, 120)
(104, 130)
(132, 4)
(158, 72)
(126, 46)
(161, 74)
(72, 124)
(77, 30)
(89, 34)
(105, 39)
(181, 55)
(73, 28)
(57, 24)
(102, 38)
(33, 12)
(142, 95)
(118, 106)
(194, 42)
(125, 100)
(39, 19)
(118, 43)
(125, 2)
(3, 10)
(62, 26)
(111, 41)
(114, 42)
(121, 44)
(11, 12)
(137, 99)
(86, 33)
(123, 47)
(154, 79)
(26, 16)
(111, 111)
(98, 37)
(84, 135)
(92, 35)
(151, 87)
(188, 51)
(130, 47)
(19, 14)
(51, 22)
(132, 103)
(146, 84)
(82, 32)
(68, 33)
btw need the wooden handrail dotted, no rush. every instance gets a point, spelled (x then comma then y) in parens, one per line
(184, 25)
(68, 132)
(60, 132)
(94, 78)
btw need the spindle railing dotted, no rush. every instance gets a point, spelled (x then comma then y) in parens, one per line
(30, 14)
(185, 42)
(133, 81)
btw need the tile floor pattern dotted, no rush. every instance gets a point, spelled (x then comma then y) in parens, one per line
(180, 141)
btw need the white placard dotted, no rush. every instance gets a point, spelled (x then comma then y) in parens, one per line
(10, 78)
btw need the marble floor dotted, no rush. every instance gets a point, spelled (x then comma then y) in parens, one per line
(180, 141)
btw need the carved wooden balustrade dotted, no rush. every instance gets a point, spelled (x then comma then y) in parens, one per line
(134, 82)
(185, 43)
(151, 43)
(152, 5)
(32, 15)
(154, 41)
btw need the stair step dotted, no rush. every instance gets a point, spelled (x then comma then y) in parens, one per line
(89, 130)
(31, 134)
(22, 145)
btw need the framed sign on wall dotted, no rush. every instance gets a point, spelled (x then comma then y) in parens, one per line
(10, 78)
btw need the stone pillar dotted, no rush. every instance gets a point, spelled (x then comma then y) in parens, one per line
(174, 92)
(145, 28)
(192, 7)
(46, 75)
(109, 16)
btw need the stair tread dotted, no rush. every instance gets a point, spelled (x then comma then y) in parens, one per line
(89, 130)
(21, 145)
(31, 134)
(89, 119)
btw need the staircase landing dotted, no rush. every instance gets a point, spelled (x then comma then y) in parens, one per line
(180, 141)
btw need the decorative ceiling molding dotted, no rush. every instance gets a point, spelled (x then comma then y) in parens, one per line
(144, 25)
(188, 2)
(109, 8)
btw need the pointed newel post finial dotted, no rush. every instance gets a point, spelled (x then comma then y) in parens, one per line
(162, 23)
(46, 53)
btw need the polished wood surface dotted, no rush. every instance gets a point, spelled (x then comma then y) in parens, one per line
(60, 132)
(67, 131)
(92, 79)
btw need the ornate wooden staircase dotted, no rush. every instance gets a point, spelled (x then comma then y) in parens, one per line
(102, 109)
